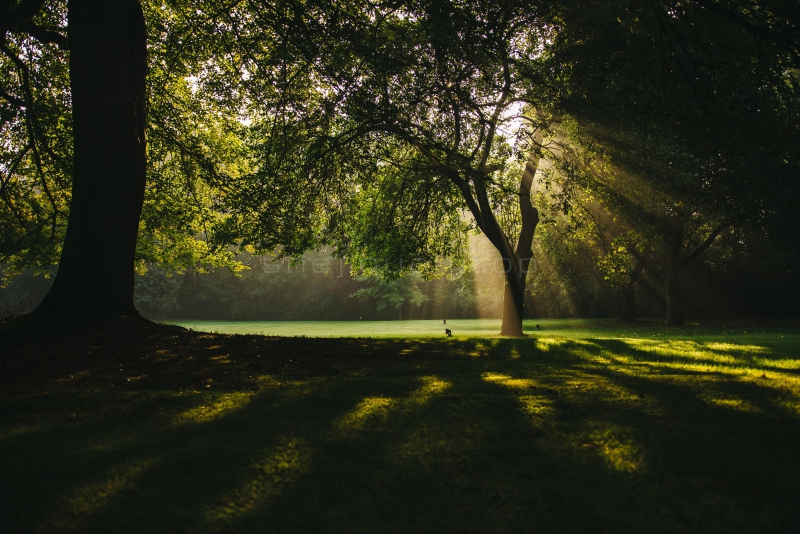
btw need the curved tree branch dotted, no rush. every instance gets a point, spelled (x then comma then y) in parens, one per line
(702, 248)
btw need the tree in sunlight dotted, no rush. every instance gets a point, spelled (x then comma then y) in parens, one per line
(419, 103)
(425, 110)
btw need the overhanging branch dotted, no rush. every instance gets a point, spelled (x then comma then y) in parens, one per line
(702, 248)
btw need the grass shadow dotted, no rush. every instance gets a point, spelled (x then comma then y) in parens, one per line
(188, 432)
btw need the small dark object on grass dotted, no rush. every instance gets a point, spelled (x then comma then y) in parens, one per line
(361, 319)
(538, 327)
(448, 332)
(444, 321)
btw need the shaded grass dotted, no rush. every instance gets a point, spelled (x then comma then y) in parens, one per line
(142, 428)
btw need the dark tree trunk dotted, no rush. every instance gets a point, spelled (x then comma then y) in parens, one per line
(673, 280)
(107, 44)
(629, 294)
(674, 299)
(629, 303)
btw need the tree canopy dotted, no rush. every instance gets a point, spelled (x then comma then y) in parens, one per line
(389, 130)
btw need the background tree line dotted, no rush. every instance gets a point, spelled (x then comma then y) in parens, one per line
(572, 283)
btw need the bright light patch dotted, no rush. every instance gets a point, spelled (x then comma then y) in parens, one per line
(545, 343)
(737, 348)
(431, 386)
(731, 404)
(508, 381)
(370, 408)
(680, 349)
(536, 405)
(215, 408)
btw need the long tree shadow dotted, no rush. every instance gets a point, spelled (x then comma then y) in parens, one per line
(718, 437)
(463, 435)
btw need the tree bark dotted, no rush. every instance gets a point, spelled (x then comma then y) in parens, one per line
(672, 281)
(517, 259)
(629, 294)
(107, 42)
(516, 264)
(628, 303)
(513, 302)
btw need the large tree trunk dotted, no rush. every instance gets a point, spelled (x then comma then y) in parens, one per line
(107, 43)
(673, 280)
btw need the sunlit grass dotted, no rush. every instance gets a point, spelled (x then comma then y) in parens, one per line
(582, 427)
(379, 408)
(213, 408)
(505, 380)
(430, 386)
(368, 409)
(374, 329)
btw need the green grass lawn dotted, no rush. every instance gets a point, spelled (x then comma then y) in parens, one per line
(373, 329)
(461, 328)
(582, 427)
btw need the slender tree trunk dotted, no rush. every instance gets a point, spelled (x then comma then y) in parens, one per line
(516, 264)
(673, 280)
(513, 302)
(477, 199)
(107, 43)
